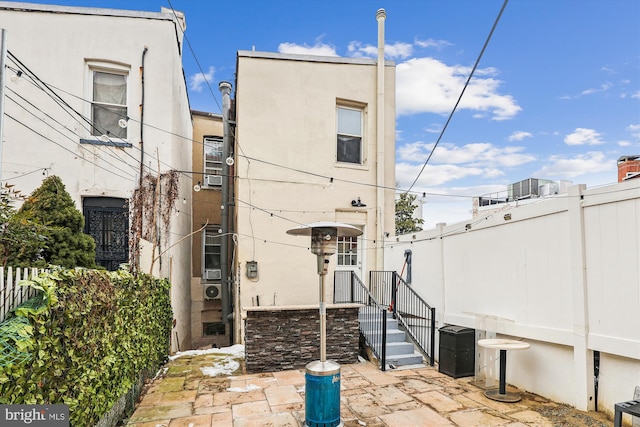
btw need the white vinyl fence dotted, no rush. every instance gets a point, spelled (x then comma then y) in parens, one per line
(11, 293)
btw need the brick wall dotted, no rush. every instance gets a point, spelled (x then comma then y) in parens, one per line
(282, 339)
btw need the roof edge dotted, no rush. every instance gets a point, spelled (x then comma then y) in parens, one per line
(76, 10)
(311, 58)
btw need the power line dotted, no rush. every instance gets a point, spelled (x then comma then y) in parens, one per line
(57, 130)
(486, 43)
(38, 83)
(59, 145)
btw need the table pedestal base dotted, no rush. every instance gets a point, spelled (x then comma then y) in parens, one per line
(507, 396)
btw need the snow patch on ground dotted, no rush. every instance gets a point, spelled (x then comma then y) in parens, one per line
(227, 366)
(247, 388)
(225, 362)
(236, 350)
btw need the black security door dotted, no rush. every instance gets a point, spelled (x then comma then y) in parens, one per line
(107, 221)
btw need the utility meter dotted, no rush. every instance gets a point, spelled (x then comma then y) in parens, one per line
(252, 269)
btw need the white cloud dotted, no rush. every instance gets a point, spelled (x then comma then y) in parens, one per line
(604, 87)
(438, 44)
(433, 174)
(636, 95)
(484, 155)
(198, 81)
(318, 49)
(519, 136)
(582, 136)
(434, 128)
(428, 85)
(562, 167)
(396, 50)
(624, 143)
(635, 130)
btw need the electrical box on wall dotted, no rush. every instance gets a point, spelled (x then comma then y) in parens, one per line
(252, 269)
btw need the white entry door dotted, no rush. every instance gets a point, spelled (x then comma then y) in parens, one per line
(350, 255)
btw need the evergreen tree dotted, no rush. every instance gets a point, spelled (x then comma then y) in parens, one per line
(405, 222)
(18, 234)
(66, 245)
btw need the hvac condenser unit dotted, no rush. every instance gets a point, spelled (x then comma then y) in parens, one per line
(213, 291)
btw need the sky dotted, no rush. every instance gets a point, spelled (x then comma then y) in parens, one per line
(556, 94)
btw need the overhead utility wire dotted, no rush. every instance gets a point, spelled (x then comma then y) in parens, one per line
(39, 83)
(486, 43)
(248, 158)
(61, 146)
(194, 55)
(58, 99)
(57, 130)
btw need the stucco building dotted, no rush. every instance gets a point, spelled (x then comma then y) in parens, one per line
(98, 98)
(315, 141)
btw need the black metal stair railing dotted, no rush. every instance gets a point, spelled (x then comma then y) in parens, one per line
(348, 288)
(415, 315)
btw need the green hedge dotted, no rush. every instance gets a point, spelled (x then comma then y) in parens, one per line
(90, 335)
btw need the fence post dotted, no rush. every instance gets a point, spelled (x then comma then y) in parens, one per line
(394, 289)
(352, 283)
(433, 335)
(383, 350)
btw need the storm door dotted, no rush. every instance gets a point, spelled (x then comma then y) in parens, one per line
(107, 221)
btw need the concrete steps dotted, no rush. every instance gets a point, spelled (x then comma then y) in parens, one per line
(400, 351)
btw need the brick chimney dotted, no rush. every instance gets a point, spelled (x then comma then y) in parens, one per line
(628, 167)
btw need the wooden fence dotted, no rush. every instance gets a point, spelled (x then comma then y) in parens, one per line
(12, 294)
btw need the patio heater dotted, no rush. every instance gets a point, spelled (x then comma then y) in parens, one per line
(322, 379)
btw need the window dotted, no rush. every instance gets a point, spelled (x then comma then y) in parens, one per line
(109, 104)
(212, 155)
(213, 328)
(211, 270)
(347, 251)
(349, 148)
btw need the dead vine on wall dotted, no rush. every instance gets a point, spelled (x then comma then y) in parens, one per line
(151, 209)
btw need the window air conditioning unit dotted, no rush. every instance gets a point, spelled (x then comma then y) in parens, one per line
(213, 291)
(213, 180)
(212, 274)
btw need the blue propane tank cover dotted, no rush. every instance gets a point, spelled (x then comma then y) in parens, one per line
(322, 394)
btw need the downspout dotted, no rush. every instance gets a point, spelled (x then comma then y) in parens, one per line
(144, 52)
(225, 89)
(381, 15)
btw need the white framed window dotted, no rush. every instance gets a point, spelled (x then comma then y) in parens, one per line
(211, 254)
(349, 135)
(109, 104)
(107, 93)
(213, 155)
(347, 251)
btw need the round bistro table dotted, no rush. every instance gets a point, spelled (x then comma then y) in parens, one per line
(501, 394)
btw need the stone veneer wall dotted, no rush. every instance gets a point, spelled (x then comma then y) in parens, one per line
(279, 339)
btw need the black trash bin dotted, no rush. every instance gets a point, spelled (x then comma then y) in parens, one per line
(457, 351)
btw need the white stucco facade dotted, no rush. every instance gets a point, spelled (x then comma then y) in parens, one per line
(288, 172)
(63, 47)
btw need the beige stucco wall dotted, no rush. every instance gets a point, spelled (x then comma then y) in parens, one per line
(57, 44)
(286, 155)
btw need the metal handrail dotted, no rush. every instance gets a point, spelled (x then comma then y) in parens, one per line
(348, 288)
(415, 314)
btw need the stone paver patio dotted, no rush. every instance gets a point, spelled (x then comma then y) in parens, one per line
(415, 397)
